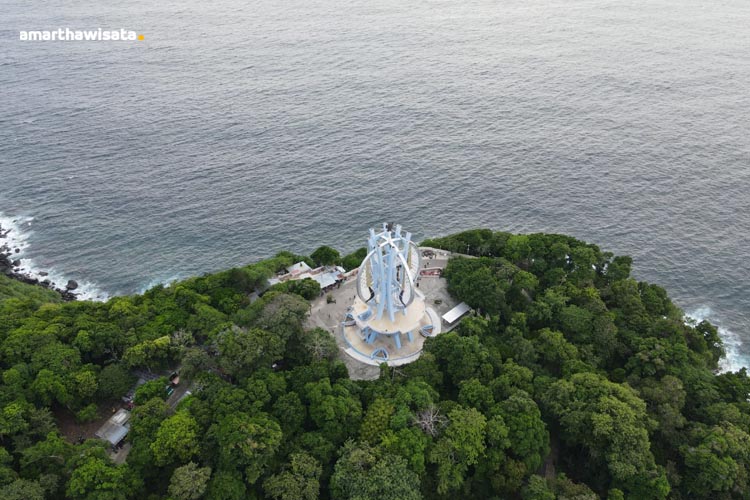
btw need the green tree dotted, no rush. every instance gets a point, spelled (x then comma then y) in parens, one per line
(95, 477)
(504, 475)
(354, 259)
(665, 399)
(13, 418)
(320, 344)
(88, 413)
(22, 489)
(195, 361)
(462, 358)
(719, 464)
(325, 256)
(333, 408)
(529, 440)
(152, 389)
(619, 268)
(712, 340)
(537, 489)
(248, 442)
(512, 378)
(189, 482)
(458, 448)
(300, 479)
(84, 384)
(409, 443)
(47, 456)
(611, 422)
(364, 472)
(289, 412)
(177, 439)
(242, 351)
(49, 387)
(306, 288)
(376, 420)
(226, 485)
(473, 393)
(555, 351)
(114, 381)
(282, 314)
(518, 248)
(146, 419)
(481, 290)
(149, 353)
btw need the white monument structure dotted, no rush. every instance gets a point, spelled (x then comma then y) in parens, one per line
(388, 320)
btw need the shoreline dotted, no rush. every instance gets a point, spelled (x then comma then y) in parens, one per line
(11, 266)
(16, 266)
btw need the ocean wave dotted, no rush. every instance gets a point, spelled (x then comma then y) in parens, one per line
(734, 359)
(16, 231)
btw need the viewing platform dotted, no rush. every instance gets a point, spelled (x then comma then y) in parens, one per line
(349, 311)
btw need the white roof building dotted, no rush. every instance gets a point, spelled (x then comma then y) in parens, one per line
(325, 275)
(298, 268)
(456, 313)
(116, 428)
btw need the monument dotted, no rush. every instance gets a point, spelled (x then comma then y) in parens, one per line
(389, 320)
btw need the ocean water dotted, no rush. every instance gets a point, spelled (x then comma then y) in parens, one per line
(239, 128)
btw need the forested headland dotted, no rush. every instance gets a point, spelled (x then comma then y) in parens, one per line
(572, 380)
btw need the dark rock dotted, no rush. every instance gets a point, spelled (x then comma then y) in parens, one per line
(10, 267)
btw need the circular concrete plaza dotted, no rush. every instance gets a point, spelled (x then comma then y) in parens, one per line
(394, 344)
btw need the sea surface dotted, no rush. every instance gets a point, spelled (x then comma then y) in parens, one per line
(238, 128)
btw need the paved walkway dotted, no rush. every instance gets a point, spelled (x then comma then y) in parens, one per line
(329, 317)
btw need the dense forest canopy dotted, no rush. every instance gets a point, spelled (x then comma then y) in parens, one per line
(572, 380)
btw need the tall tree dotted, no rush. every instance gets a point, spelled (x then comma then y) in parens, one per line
(611, 421)
(177, 439)
(189, 482)
(241, 351)
(458, 448)
(325, 256)
(247, 442)
(365, 472)
(95, 477)
(300, 479)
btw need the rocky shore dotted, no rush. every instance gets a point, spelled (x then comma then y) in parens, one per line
(10, 265)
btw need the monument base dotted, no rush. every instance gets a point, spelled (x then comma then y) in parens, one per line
(375, 341)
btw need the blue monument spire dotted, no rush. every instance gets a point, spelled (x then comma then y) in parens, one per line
(388, 274)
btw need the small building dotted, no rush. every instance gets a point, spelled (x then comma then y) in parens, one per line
(326, 276)
(116, 428)
(298, 268)
(452, 316)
